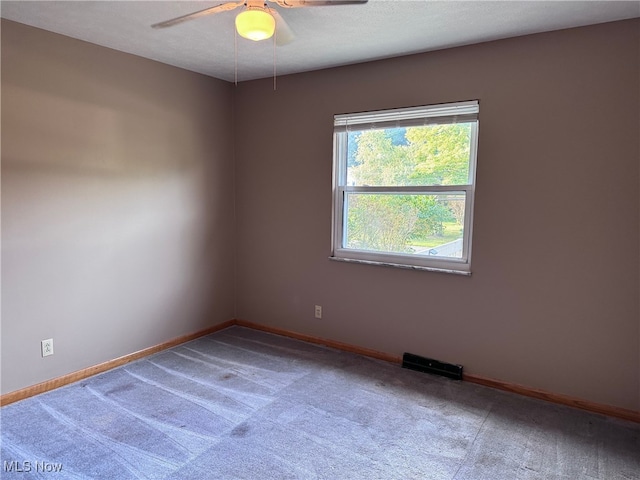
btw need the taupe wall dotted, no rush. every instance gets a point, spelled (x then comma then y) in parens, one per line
(118, 209)
(553, 299)
(117, 204)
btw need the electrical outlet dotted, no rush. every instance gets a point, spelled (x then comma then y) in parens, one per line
(47, 347)
(318, 311)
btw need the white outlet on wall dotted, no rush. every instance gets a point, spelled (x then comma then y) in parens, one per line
(47, 347)
(318, 311)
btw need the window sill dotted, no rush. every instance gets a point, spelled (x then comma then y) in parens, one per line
(398, 265)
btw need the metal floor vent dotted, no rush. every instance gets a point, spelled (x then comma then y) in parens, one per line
(428, 365)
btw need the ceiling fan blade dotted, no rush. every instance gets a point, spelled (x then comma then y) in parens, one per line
(284, 35)
(316, 3)
(200, 13)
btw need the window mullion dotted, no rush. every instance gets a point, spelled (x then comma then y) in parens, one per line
(408, 189)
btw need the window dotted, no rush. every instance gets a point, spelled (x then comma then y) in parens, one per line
(404, 182)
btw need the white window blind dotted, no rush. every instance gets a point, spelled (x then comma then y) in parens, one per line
(459, 112)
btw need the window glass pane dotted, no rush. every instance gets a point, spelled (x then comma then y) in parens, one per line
(425, 155)
(417, 224)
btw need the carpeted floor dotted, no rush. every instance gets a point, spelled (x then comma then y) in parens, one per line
(242, 404)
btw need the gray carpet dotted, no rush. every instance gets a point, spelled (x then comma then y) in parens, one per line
(242, 404)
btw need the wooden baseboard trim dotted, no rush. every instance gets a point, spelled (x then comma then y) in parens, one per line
(593, 407)
(27, 392)
(322, 341)
(54, 383)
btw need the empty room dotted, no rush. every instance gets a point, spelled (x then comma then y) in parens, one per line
(341, 239)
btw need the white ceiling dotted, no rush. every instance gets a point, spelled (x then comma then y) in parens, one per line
(325, 36)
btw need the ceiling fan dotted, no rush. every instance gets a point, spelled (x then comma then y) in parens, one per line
(257, 21)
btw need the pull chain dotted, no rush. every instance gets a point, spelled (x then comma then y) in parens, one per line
(275, 36)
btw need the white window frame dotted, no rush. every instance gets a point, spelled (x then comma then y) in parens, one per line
(467, 112)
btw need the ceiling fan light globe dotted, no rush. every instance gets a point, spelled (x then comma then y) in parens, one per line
(255, 24)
